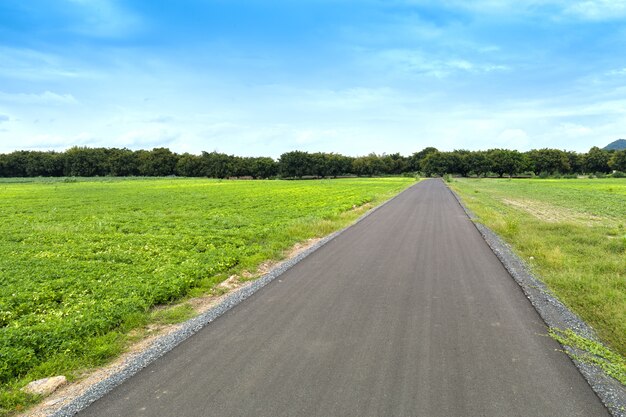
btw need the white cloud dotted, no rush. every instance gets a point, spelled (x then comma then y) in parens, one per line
(147, 137)
(617, 72)
(514, 138)
(415, 61)
(32, 65)
(597, 9)
(105, 18)
(572, 130)
(586, 10)
(45, 98)
(4, 118)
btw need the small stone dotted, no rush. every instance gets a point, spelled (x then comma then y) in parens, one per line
(45, 386)
(54, 402)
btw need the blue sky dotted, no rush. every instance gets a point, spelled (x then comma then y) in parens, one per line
(264, 77)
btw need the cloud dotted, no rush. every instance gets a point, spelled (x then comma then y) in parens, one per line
(514, 138)
(597, 10)
(585, 10)
(104, 19)
(4, 118)
(415, 61)
(148, 137)
(32, 65)
(617, 72)
(45, 98)
(160, 119)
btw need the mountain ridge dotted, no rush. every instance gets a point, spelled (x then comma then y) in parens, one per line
(615, 145)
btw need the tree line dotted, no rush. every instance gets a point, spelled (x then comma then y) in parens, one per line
(158, 162)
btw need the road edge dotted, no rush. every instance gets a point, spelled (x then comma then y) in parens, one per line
(554, 313)
(168, 342)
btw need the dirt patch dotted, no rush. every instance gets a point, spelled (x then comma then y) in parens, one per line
(552, 214)
(151, 334)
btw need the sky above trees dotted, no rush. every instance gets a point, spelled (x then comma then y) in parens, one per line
(265, 77)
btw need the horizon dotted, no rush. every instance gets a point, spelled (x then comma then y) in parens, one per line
(263, 78)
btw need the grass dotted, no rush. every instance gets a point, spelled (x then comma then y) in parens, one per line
(593, 352)
(82, 262)
(572, 234)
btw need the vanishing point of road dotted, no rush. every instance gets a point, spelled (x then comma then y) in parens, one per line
(407, 313)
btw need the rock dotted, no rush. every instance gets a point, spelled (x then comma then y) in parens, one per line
(54, 402)
(45, 386)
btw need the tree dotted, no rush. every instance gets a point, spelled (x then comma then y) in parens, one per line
(369, 165)
(576, 162)
(122, 163)
(217, 165)
(85, 162)
(479, 163)
(548, 160)
(159, 162)
(507, 162)
(597, 160)
(339, 164)
(264, 167)
(394, 163)
(189, 165)
(618, 161)
(319, 164)
(438, 163)
(295, 164)
(415, 160)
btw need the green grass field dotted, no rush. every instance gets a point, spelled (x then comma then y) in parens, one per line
(572, 232)
(82, 262)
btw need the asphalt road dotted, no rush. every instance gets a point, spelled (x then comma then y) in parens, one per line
(408, 313)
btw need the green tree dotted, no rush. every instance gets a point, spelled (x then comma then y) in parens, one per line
(85, 162)
(122, 163)
(438, 163)
(551, 161)
(217, 165)
(189, 165)
(369, 165)
(295, 164)
(264, 167)
(479, 163)
(507, 162)
(597, 160)
(415, 160)
(618, 161)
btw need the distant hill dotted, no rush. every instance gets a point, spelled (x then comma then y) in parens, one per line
(616, 146)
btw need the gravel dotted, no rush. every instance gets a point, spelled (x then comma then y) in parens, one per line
(165, 344)
(556, 315)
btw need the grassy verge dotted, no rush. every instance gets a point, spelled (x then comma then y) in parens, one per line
(572, 234)
(83, 263)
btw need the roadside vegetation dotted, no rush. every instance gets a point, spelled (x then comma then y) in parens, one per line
(572, 233)
(83, 262)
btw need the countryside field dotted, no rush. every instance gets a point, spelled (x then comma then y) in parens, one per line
(572, 232)
(82, 262)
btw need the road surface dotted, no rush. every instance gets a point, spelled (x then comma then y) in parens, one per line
(407, 313)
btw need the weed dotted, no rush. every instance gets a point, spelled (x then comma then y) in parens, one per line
(593, 352)
(173, 314)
